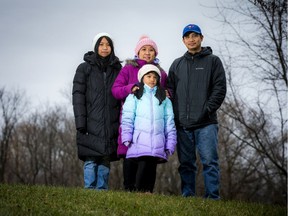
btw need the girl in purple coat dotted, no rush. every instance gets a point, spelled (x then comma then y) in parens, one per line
(148, 128)
(126, 83)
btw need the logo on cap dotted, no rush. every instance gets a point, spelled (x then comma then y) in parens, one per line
(191, 28)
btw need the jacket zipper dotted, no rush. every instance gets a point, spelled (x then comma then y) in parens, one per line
(105, 102)
(152, 119)
(188, 93)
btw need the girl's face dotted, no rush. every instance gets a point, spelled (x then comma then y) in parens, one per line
(150, 79)
(147, 53)
(104, 48)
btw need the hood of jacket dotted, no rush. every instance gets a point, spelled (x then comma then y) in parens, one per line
(139, 63)
(204, 51)
(92, 59)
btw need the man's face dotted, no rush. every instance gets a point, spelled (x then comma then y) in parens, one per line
(193, 42)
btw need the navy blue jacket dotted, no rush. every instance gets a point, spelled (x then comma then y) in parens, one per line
(197, 84)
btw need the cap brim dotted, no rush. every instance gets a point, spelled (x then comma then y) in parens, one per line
(191, 31)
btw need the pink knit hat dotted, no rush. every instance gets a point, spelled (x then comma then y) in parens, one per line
(143, 41)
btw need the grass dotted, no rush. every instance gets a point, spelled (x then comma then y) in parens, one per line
(44, 200)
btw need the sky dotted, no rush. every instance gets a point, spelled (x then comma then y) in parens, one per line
(43, 42)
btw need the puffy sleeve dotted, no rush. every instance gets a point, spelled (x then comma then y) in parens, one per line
(79, 98)
(171, 80)
(163, 79)
(170, 129)
(121, 87)
(218, 90)
(128, 118)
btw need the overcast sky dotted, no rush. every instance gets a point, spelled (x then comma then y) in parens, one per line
(43, 42)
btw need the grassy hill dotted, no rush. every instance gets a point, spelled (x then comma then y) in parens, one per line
(44, 200)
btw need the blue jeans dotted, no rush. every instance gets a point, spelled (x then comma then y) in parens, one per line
(96, 176)
(205, 140)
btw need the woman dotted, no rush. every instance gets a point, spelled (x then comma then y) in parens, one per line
(126, 83)
(96, 111)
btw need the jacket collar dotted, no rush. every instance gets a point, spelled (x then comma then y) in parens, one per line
(149, 89)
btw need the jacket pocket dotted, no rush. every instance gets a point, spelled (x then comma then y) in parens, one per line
(136, 136)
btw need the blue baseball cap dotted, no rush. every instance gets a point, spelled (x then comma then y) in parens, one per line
(191, 28)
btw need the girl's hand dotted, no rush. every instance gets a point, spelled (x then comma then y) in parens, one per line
(127, 143)
(168, 152)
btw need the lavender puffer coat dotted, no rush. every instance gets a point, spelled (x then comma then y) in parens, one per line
(148, 126)
(126, 79)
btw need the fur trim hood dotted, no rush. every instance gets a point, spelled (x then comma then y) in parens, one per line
(134, 63)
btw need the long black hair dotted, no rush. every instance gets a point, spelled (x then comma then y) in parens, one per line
(160, 92)
(104, 62)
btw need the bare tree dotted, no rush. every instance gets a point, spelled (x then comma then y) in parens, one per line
(69, 166)
(43, 150)
(12, 107)
(254, 114)
(58, 147)
(25, 151)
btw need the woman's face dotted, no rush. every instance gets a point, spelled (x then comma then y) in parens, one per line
(150, 79)
(104, 48)
(147, 53)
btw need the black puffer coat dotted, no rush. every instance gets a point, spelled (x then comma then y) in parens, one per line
(96, 111)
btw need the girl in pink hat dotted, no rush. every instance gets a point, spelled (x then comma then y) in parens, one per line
(126, 83)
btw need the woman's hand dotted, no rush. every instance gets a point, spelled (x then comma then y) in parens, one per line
(167, 94)
(134, 89)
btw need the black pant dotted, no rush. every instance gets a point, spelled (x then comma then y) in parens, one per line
(140, 173)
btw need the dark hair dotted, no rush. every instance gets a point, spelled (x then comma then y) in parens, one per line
(189, 32)
(160, 92)
(104, 62)
(109, 41)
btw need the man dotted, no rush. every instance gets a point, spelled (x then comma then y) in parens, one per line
(197, 84)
